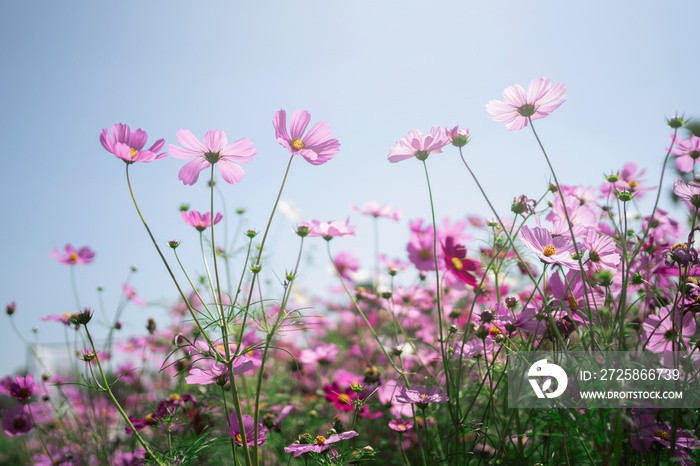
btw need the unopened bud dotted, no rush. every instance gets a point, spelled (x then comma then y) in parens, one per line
(10, 309)
(151, 326)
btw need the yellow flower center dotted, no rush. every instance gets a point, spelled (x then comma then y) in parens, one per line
(632, 184)
(425, 254)
(175, 397)
(422, 397)
(320, 440)
(149, 416)
(67, 316)
(73, 257)
(573, 303)
(401, 426)
(344, 398)
(494, 331)
(679, 245)
(298, 144)
(133, 153)
(662, 434)
(457, 264)
(549, 250)
(239, 439)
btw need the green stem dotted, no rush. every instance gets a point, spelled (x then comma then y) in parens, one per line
(224, 333)
(262, 245)
(108, 390)
(165, 262)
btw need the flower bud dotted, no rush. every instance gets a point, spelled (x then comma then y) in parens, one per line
(251, 233)
(173, 244)
(10, 309)
(82, 317)
(676, 122)
(624, 196)
(256, 268)
(459, 137)
(302, 231)
(511, 302)
(184, 207)
(151, 326)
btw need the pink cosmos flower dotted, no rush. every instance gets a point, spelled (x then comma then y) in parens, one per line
(322, 444)
(416, 144)
(200, 221)
(131, 295)
(687, 152)
(540, 99)
(17, 420)
(316, 146)
(557, 250)
(373, 209)
(347, 264)
(215, 150)
(64, 318)
(662, 332)
(319, 354)
(128, 145)
(602, 252)
(647, 431)
(421, 395)
(329, 230)
(82, 256)
(249, 429)
(401, 425)
(690, 192)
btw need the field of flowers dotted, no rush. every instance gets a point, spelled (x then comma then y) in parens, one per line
(410, 367)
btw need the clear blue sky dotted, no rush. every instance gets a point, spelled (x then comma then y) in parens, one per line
(372, 70)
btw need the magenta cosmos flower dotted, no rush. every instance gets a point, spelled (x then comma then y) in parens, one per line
(320, 445)
(17, 420)
(416, 144)
(215, 150)
(316, 146)
(22, 387)
(456, 261)
(540, 99)
(128, 145)
(83, 255)
(200, 221)
(552, 250)
(235, 430)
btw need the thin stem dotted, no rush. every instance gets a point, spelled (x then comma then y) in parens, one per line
(443, 345)
(500, 222)
(108, 390)
(167, 266)
(224, 333)
(262, 245)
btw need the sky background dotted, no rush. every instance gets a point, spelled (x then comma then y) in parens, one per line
(372, 70)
